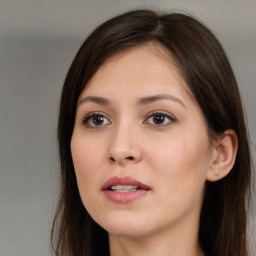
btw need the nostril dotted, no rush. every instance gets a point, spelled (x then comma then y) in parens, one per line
(121, 160)
(112, 159)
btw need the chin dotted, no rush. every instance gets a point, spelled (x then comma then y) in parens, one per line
(128, 227)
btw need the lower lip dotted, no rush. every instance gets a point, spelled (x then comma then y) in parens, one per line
(124, 197)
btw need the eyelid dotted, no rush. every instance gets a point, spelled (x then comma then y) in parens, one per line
(160, 112)
(163, 113)
(87, 117)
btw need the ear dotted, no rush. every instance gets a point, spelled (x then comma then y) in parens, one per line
(223, 156)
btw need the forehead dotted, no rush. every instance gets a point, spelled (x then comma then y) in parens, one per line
(144, 69)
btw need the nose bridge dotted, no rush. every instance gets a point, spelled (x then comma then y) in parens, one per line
(123, 147)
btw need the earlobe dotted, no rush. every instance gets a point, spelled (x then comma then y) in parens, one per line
(224, 156)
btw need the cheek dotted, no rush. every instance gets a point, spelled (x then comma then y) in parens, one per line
(180, 165)
(87, 164)
(177, 154)
(180, 173)
(86, 155)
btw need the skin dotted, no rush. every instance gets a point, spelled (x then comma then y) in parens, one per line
(174, 158)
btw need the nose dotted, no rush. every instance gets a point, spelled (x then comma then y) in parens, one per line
(124, 146)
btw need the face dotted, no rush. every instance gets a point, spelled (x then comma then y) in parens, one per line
(140, 146)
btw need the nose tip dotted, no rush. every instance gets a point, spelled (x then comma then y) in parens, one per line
(124, 145)
(124, 150)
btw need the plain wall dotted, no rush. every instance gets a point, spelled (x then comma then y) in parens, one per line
(38, 40)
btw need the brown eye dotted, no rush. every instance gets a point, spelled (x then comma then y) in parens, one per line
(95, 120)
(98, 120)
(159, 119)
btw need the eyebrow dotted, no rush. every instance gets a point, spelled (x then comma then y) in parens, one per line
(141, 101)
(95, 99)
(151, 99)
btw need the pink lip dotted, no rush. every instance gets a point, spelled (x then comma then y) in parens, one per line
(124, 197)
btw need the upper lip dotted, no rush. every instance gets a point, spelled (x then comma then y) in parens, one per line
(124, 181)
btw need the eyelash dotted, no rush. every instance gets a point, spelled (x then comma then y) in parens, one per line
(90, 117)
(159, 113)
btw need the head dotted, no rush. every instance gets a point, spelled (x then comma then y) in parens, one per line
(201, 81)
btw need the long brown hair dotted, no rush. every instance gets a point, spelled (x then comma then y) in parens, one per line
(207, 72)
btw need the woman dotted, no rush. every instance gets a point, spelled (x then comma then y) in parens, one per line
(154, 151)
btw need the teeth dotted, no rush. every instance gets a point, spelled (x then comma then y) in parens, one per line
(123, 188)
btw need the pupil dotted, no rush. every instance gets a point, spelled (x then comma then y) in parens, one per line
(158, 119)
(98, 120)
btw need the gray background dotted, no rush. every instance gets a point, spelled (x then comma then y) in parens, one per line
(38, 40)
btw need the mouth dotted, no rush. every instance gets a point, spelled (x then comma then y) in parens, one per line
(124, 184)
(124, 189)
